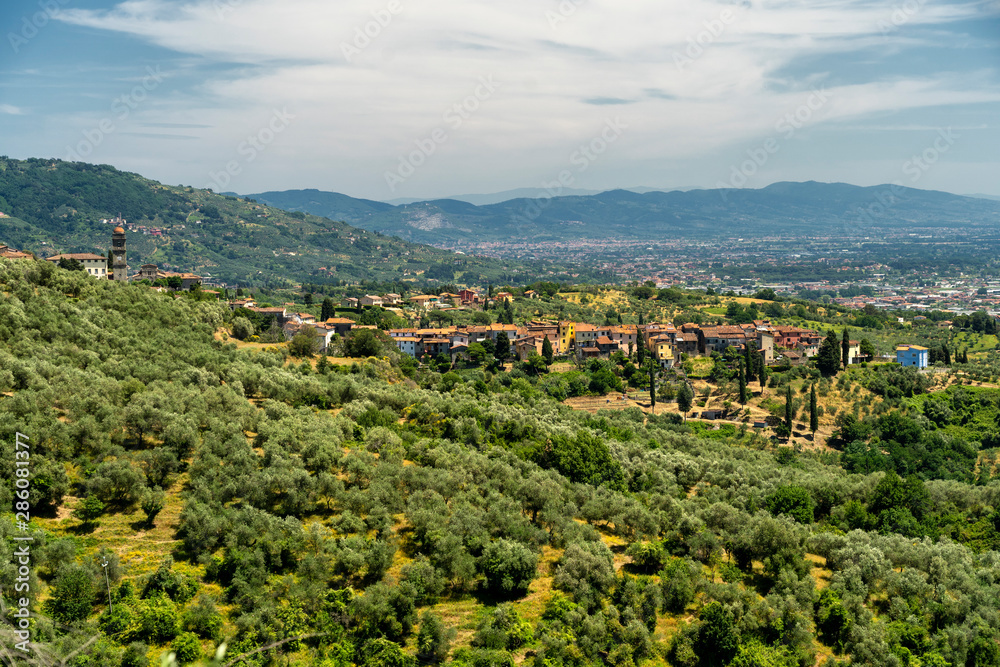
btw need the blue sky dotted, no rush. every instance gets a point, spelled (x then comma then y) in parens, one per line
(395, 98)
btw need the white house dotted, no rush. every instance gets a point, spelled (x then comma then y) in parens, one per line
(95, 265)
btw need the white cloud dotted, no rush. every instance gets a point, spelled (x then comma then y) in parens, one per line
(11, 109)
(697, 77)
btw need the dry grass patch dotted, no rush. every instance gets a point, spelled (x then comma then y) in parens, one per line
(140, 548)
(463, 615)
(819, 571)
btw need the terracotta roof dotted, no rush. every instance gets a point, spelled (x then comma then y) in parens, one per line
(79, 256)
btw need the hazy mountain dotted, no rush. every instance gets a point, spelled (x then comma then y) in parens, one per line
(781, 208)
(520, 193)
(498, 197)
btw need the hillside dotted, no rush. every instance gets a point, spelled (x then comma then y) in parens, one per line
(781, 209)
(58, 206)
(374, 514)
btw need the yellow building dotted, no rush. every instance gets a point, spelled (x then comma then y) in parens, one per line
(663, 350)
(567, 335)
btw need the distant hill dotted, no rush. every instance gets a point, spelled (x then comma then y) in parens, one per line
(785, 208)
(497, 197)
(325, 204)
(293, 199)
(57, 206)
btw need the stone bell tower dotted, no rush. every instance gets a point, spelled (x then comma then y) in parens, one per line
(119, 266)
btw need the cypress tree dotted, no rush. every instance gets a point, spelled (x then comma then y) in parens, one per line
(845, 348)
(763, 376)
(947, 354)
(788, 406)
(640, 349)
(813, 411)
(547, 352)
(828, 359)
(743, 384)
(652, 385)
(326, 310)
(751, 367)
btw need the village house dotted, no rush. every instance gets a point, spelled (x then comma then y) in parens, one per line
(586, 334)
(662, 349)
(912, 355)
(717, 339)
(525, 347)
(625, 336)
(324, 336)
(370, 300)
(854, 352)
(792, 338)
(7, 252)
(408, 345)
(567, 336)
(459, 351)
(686, 343)
(450, 298)
(600, 348)
(152, 273)
(340, 325)
(94, 265)
(546, 330)
(435, 346)
(280, 313)
(765, 343)
(425, 301)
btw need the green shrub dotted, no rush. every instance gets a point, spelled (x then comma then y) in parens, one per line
(509, 567)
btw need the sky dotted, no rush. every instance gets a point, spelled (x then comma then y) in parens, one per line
(385, 99)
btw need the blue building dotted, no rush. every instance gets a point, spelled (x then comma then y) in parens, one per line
(912, 355)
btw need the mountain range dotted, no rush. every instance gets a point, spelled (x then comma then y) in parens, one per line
(786, 208)
(50, 206)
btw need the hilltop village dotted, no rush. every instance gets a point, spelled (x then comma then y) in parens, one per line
(664, 342)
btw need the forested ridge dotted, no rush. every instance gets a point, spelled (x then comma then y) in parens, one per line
(377, 514)
(56, 206)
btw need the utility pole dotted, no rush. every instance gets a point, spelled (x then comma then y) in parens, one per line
(104, 563)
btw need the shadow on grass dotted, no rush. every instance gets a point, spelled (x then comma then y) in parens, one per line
(491, 599)
(141, 524)
(85, 528)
